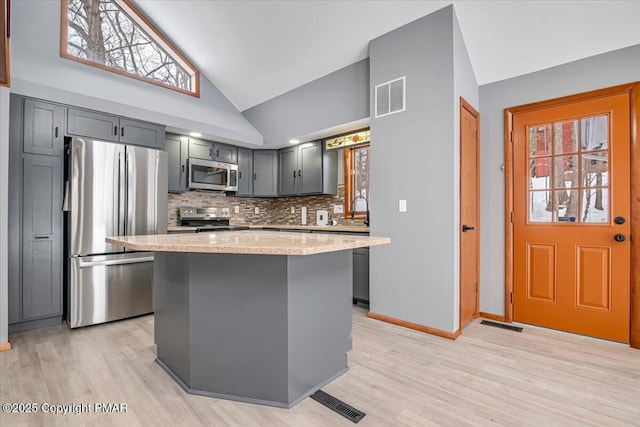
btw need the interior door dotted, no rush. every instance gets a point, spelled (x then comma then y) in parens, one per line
(571, 173)
(469, 213)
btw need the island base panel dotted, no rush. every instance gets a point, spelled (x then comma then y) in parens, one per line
(268, 329)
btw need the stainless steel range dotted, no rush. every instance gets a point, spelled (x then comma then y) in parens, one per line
(208, 219)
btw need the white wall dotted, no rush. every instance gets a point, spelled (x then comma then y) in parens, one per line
(40, 72)
(597, 72)
(4, 202)
(465, 85)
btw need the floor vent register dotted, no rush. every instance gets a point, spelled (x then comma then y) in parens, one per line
(501, 325)
(337, 405)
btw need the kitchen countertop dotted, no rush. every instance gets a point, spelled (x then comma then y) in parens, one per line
(257, 242)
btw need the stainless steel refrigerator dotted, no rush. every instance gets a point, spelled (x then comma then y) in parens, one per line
(114, 190)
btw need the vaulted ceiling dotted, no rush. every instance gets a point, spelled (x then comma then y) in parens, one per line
(256, 50)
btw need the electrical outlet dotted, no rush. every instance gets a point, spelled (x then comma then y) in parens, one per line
(257, 210)
(293, 209)
(236, 209)
(337, 209)
(402, 206)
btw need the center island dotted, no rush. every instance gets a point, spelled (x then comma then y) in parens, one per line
(255, 316)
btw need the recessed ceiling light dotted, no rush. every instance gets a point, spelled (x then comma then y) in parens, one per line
(196, 134)
(293, 141)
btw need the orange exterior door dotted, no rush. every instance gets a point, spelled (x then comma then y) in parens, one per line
(571, 177)
(469, 216)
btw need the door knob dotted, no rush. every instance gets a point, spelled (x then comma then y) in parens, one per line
(466, 228)
(620, 237)
(619, 220)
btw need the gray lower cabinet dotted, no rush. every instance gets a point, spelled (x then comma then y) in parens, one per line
(265, 173)
(245, 172)
(105, 127)
(361, 275)
(42, 127)
(177, 150)
(307, 169)
(41, 237)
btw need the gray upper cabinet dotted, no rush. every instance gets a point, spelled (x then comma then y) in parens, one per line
(92, 125)
(43, 133)
(200, 149)
(225, 153)
(265, 173)
(177, 150)
(310, 161)
(245, 172)
(288, 171)
(307, 169)
(42, 237)
(141, 133)
(105, 127)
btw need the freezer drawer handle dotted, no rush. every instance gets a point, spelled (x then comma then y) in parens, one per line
(84, 264)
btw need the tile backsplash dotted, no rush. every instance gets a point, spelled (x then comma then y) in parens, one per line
(272, 210)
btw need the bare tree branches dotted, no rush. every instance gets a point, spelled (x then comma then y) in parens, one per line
(98, 30)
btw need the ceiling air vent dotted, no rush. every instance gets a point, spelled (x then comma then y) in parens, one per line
(390, 97)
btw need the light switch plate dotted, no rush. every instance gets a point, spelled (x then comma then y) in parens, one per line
(257, 210)
(293, 209)
(236, 209)
(338, 209)
(402, 206)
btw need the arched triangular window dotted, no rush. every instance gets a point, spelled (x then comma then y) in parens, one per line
(114, 35)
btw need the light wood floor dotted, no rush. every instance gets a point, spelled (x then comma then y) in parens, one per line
(399, 377)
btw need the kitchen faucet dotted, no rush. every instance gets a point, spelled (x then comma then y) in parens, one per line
(353, 211)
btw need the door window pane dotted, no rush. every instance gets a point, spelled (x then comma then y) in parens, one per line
(540, 173)
(540, 139)
(595, 205)
(540, 206)
(595, 169)
(566, 205)
(566, 137)
(566, 172)
(595, 133)
(361, 179)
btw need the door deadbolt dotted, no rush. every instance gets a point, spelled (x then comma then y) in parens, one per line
(619, 220)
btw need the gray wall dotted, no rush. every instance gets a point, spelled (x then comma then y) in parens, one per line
(40, 72)
(412, 156)
(601, 71)
(337, 98)
(4, 202)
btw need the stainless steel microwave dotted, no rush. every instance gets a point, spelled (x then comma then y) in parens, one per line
(209, 175)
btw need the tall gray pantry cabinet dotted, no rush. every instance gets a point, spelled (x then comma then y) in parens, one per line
(35, 213)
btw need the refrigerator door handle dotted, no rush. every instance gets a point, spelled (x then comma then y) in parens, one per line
(122, 185)
(84, 264)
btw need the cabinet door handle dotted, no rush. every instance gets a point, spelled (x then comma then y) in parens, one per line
(210, 152)
(294, 174)
(115, 130)
(299, 173)
(121, 130)
(239, 174)
(56, 132)
(40, 237)
(217, 153)
(255, 176)
(182, 168)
